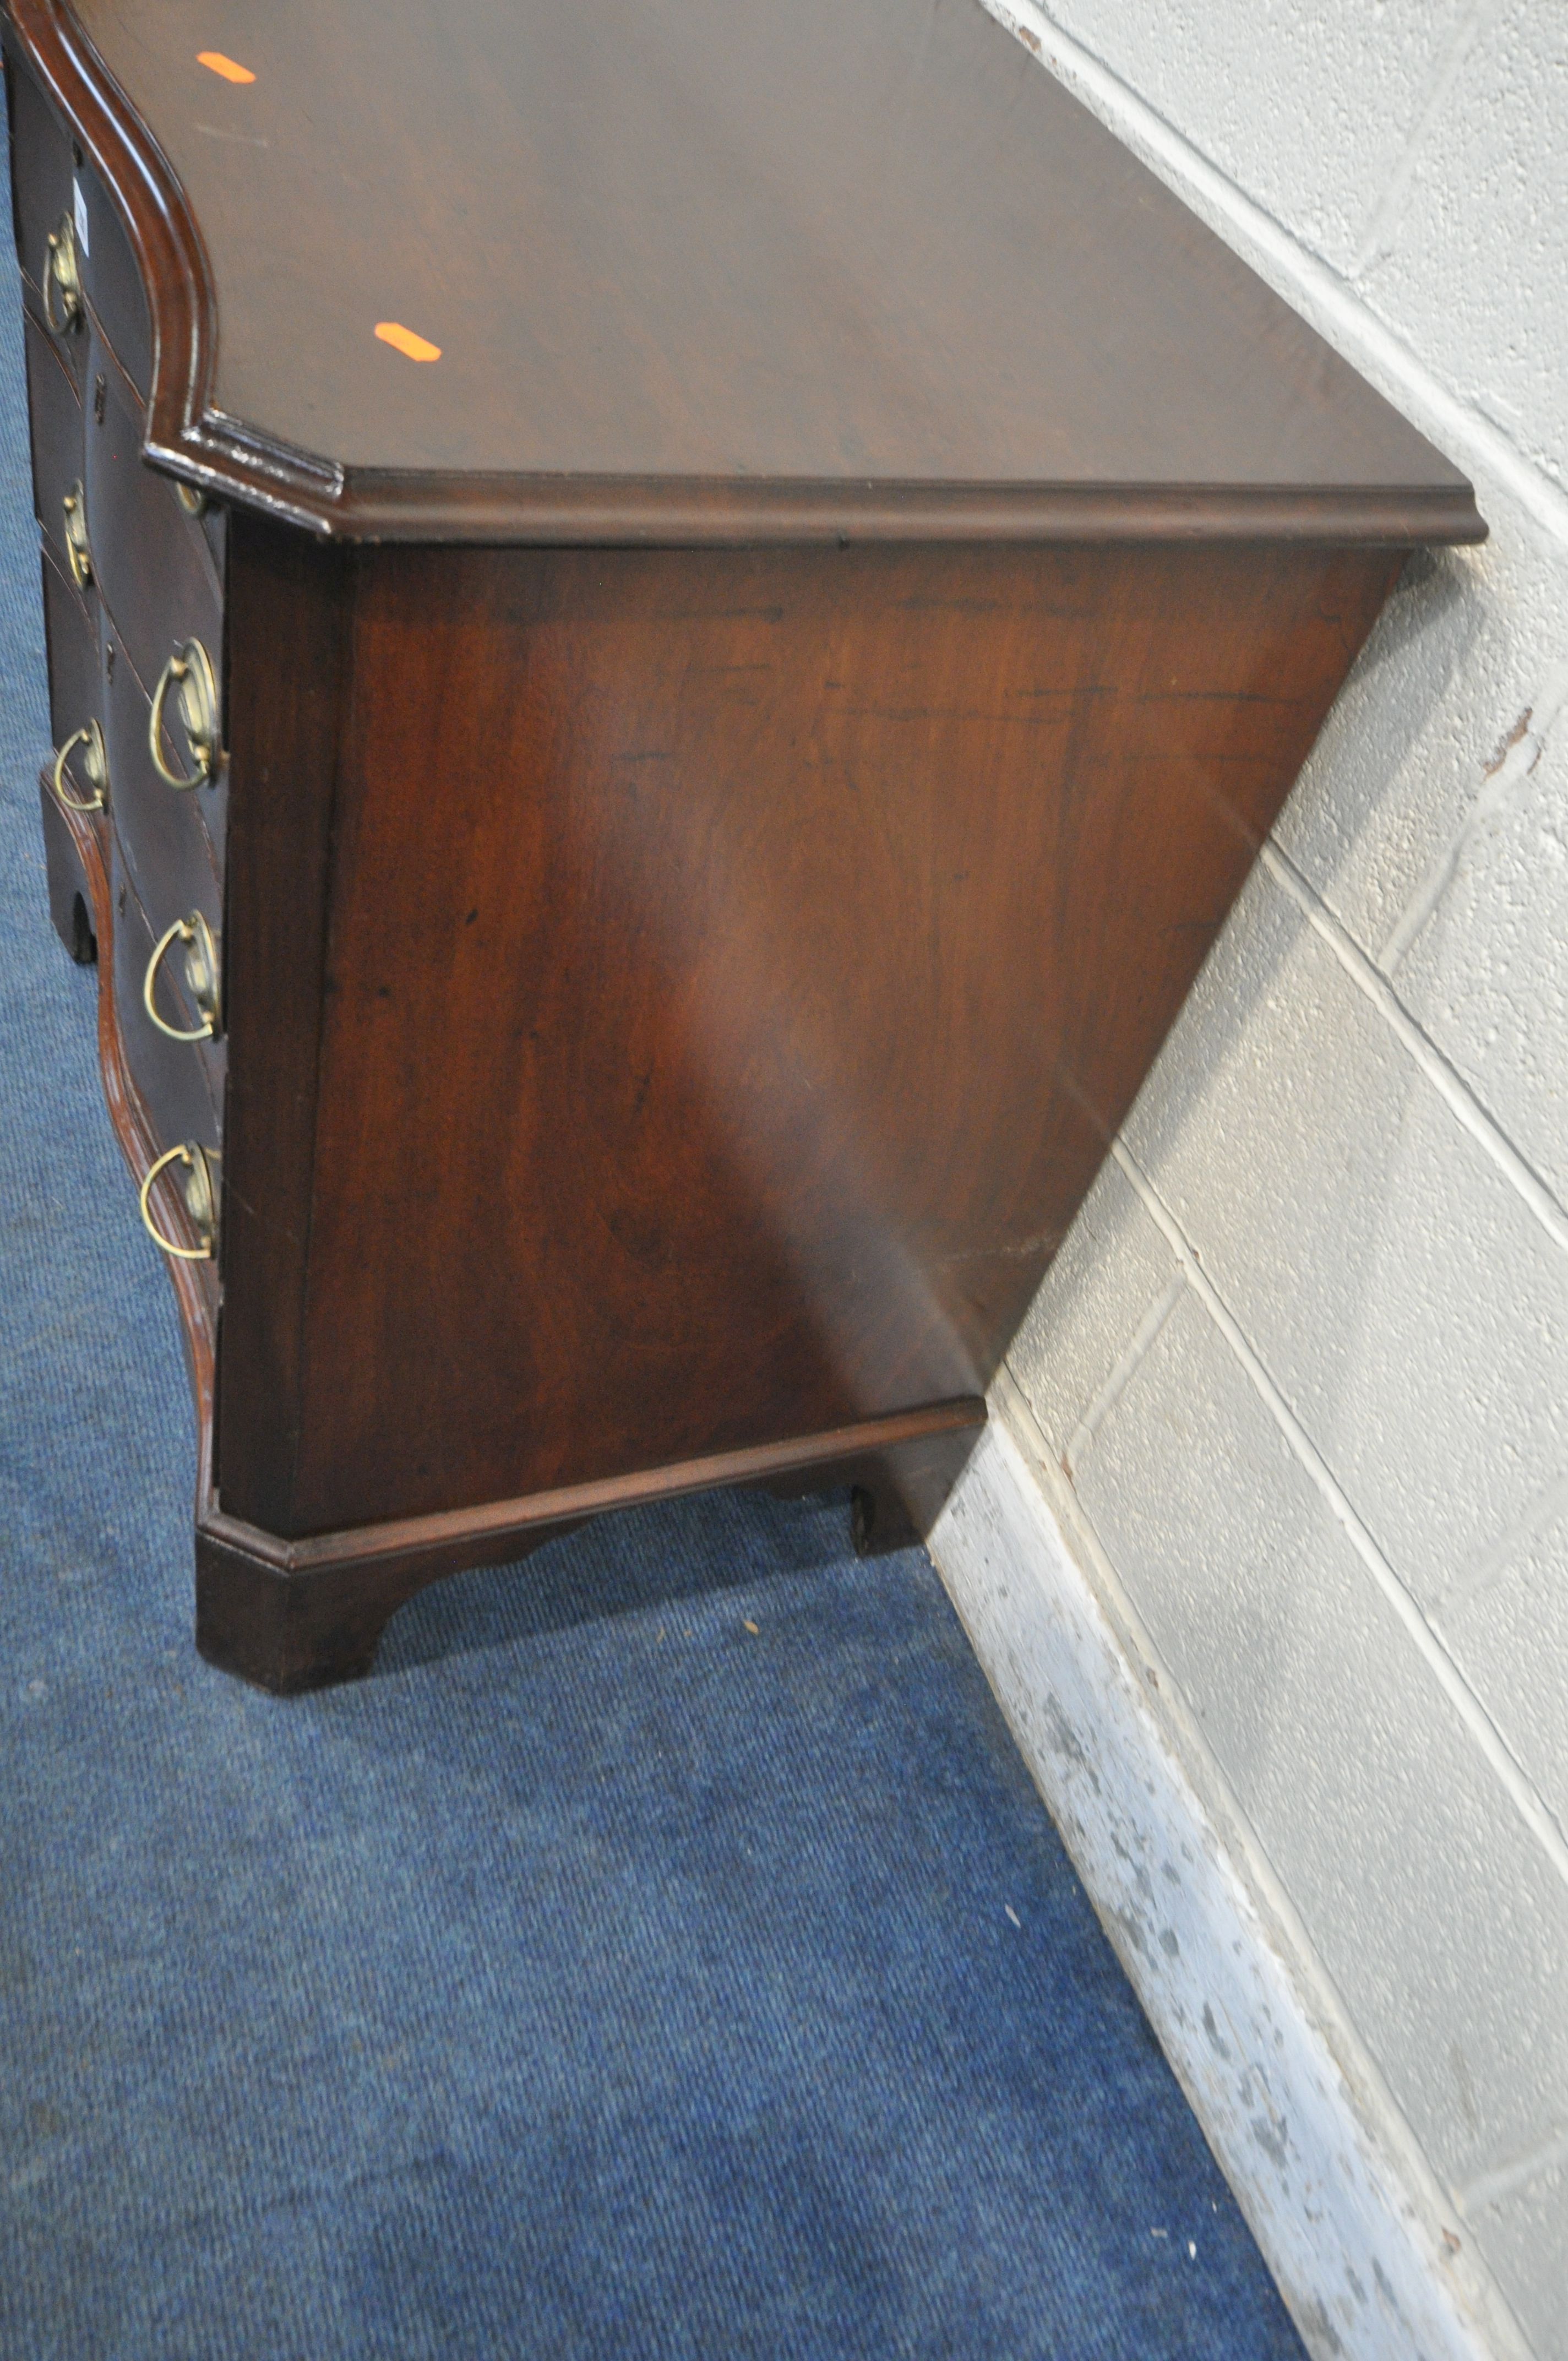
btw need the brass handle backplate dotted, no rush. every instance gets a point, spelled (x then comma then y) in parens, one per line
(189, 673)
(62, 274)
(196, 1188)
(201, 977)
(77, 547)
(94, 769)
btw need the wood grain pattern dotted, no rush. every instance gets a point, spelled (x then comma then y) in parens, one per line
(734, 967)
(697, 274)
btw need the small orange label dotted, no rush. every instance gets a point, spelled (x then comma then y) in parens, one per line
(216, 62)
(418, 348)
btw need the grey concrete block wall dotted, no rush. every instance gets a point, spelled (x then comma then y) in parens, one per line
(1304, 1359)
(1354, 1764)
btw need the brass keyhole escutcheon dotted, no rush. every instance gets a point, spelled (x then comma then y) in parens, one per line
(78, 549)
(93, 764)
(189, 673)
(201, 978)
(63, 279)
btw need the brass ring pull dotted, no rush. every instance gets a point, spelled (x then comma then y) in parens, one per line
(190, 672)
(78, 549)
(94, 769)
(201, 976)
(198, 1194)
(62, 270)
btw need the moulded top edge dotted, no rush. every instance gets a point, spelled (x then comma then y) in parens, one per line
(697, 274)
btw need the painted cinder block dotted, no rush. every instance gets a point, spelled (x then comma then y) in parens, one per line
(1418, 149)
(1438, 1917)
(1476, 271)
(1112, 1266)
(1393, 769)
(1408, 1303)
(1486, 977)
(1459, 656)
(1241, 81)
(1506, 1625)
(1526, 2234)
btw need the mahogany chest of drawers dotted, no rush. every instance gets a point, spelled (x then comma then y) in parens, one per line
(670, 631)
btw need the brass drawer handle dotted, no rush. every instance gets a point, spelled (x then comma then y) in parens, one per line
(201, 976)
(197, 1191)
(62, 271)
(94, 769)
(190, 671)
(77, 547)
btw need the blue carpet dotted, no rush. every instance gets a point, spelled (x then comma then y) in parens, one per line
(664, 1954)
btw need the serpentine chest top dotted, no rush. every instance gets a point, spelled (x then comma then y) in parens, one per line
(671, 628)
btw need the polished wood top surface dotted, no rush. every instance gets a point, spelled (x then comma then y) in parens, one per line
(683, 258)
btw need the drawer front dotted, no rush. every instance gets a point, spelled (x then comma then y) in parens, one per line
(50, 184)
(171, 838)
(180, 1083)
(54, 415)
(41, 190)
(152, 560)
(215, 531)
(75, 692)
(114, 292)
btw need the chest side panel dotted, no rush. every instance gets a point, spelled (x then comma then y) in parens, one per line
(735, 962)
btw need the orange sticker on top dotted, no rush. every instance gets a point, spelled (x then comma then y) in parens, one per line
(216, 62)
(418, 348)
